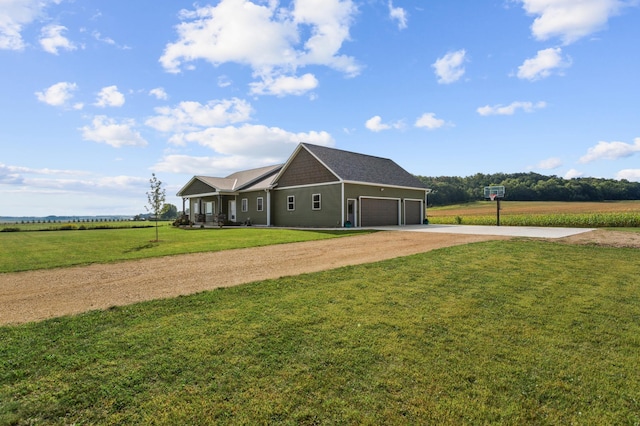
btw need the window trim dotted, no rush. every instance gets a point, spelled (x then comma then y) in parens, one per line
(316, 204)
(260, 204)
(244, 205)
(291, 203)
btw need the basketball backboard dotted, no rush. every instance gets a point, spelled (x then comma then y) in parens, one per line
(495, 191)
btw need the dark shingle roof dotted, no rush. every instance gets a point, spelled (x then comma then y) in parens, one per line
(354, 167)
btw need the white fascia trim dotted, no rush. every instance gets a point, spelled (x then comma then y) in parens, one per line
(206, 194)
(308, 185)
(353, 182)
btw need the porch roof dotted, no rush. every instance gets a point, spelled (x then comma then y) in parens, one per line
(246, 180)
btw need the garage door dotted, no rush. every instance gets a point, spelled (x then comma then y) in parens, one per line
(379, 212)
(412, 214)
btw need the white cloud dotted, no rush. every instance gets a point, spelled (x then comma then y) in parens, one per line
(610, 151)
(14, 16)
(570, 20)
(211, 166)
(285, 85)
(429, 121)
(57, 94)
(398, 14)
(543, 65)
(108, 40)
(99, 37)
(106, 130)
(510, 109)
(573, 173)
(224, 81)
(51, 39)
(548, 164)
(110, 97)
(450, 67)
(629, 174)
(159, 93)
(235, 147)
(269, 39)
(254, 140)
(41, 192)
(191, 116)
(375, 124)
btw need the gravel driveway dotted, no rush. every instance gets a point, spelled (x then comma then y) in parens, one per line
(37, 295)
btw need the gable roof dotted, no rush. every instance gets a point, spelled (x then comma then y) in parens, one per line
(253, 179)
(354, 167)
(262, 177)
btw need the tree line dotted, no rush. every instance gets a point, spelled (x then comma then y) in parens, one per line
(528, 187)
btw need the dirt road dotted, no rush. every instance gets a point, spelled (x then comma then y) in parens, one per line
(37, 295)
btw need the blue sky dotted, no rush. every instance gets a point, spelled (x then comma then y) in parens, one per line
(98, 95)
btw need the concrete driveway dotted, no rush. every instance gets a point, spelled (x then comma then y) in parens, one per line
(509, 231)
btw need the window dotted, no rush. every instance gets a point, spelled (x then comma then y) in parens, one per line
(260, 204)
(315, 202)
(245, 205)
(291, 202)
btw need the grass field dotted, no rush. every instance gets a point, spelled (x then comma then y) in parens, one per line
(552, 336)
(534, 213)
(23, 251)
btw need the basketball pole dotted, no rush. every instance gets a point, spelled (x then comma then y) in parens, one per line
(497, 211)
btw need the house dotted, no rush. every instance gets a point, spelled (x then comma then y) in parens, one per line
(317, 187)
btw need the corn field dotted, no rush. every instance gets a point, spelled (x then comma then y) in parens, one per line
(579, 220)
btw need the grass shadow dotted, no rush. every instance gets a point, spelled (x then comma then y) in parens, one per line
(142, 247)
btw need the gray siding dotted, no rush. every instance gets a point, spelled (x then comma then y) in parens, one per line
(257, 218)
(197, 187)
(304, 216)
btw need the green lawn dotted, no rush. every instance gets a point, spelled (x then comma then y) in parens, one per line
(502, 332)
(23, 251)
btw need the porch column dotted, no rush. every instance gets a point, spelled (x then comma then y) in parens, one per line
(268, 207)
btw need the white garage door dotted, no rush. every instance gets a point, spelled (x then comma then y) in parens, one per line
(379, 212)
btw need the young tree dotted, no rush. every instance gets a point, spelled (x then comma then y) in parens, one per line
(156, 198)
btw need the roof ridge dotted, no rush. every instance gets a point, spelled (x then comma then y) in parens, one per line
(345, 151)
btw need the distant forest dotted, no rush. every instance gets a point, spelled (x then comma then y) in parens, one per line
(528, 187)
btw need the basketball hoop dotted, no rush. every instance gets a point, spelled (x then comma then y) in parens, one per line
(493, 196)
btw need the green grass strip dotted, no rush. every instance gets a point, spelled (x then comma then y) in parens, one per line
(502, 332)
(23, 251)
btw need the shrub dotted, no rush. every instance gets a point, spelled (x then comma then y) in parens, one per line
(182, 221)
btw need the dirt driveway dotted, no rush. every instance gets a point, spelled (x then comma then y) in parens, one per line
(37, 295)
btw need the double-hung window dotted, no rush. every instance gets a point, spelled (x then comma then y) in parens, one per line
(316, 202)
(245, 205)
(260, 204)
(291, 202)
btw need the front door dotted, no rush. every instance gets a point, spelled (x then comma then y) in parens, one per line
(232, 210)
(352, 212)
